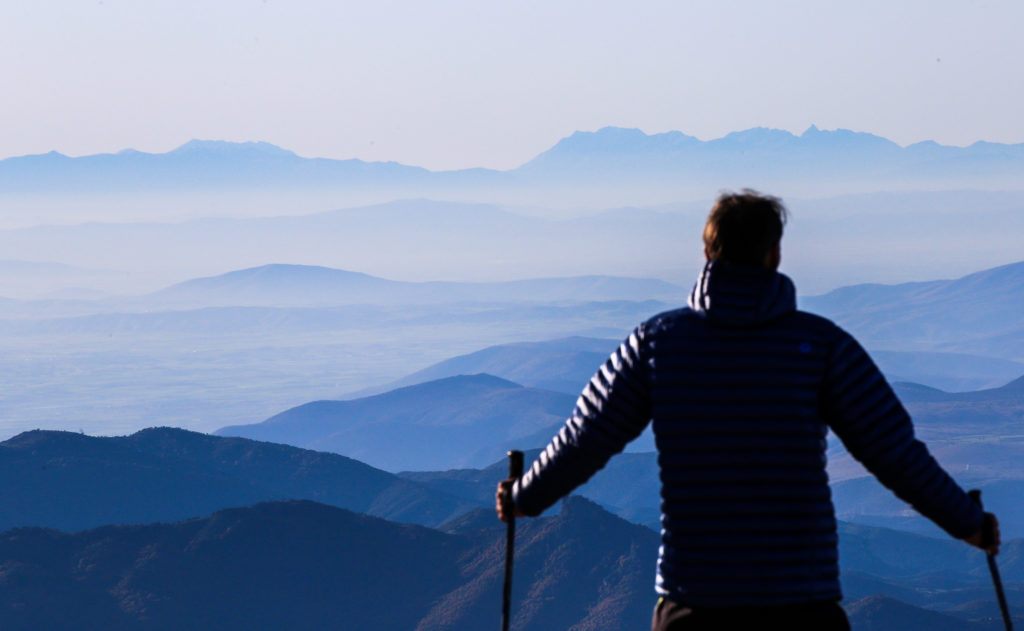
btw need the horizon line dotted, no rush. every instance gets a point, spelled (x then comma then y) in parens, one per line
(812, 128)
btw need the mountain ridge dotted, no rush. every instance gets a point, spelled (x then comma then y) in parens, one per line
(202, 162)
(169, 474)
(466, 419)
(561, 365)
(279, 284)
(608, 138)
(969, 314)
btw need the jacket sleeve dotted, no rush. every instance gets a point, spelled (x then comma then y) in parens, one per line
(613, 409)
(864, 412)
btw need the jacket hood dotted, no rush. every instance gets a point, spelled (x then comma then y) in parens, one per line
(742, 295)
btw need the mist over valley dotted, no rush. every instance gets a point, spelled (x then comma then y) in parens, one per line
(229, 355)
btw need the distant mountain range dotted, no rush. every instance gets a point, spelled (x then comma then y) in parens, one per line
(608, 159)
(416, 239)
(304, 285)
(383, 323)
(970, 318)
(197, 164)
(409, 239)
(69, 481)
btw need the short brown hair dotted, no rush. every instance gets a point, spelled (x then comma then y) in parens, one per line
(744, 227)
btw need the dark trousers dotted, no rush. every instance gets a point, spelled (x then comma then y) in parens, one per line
(825, 615)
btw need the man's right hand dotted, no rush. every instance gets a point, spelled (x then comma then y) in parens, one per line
(987, 538)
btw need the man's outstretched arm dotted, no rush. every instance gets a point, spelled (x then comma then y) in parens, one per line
(613, 409)
(870, 420)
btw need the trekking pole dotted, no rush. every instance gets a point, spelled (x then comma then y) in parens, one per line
(515, 470)
(993, 569)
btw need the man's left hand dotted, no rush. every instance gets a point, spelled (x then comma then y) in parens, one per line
(503, 503)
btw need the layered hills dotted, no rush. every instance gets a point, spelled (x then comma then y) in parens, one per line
(881, 613)
(186, 364)
(299, 563)
(303, 565)
(981, 313)
(562, 365)
(419, 239)
(923, 574)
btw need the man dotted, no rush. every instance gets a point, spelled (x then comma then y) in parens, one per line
(742, 388)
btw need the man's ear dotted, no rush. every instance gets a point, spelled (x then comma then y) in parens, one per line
(774, 257)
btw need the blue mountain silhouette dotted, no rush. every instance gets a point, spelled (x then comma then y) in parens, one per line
(461, 421)
(71, 481)
(609, 154)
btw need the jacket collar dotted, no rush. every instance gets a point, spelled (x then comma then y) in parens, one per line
(741, 295)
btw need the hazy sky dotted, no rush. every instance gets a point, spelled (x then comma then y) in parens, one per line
(452, 83)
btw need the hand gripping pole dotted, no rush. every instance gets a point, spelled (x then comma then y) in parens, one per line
(993, 569)
(515, 471)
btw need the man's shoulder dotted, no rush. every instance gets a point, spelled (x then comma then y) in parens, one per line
(806, 318)
(814, 325)
(669, 318)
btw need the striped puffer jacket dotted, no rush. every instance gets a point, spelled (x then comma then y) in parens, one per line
(741, 388)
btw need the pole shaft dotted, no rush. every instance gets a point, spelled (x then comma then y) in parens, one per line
(1004, 608)
(515, 470)
(993, 569)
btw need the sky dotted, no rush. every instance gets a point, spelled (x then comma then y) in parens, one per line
(455, 84)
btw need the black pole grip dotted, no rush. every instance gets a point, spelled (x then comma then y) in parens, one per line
(975, 494)
(515, 464)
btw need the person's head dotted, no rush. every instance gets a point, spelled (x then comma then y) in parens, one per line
(745, 228)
